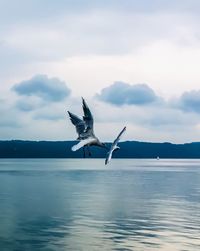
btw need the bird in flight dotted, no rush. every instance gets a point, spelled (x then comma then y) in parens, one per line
(114, 146)
(85, 130)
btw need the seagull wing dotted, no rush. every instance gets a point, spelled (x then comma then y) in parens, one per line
(109, 155)
(82, 143)
(88, 118)
(114, 146)
(119, 136)
(77, 122)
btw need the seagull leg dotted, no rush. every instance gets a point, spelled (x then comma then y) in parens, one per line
(89, 151)
(83, 151)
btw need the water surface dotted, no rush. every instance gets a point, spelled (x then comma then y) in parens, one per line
(70, 204)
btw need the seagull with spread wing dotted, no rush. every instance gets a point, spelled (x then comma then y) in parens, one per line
(114, 146)
(85, 130)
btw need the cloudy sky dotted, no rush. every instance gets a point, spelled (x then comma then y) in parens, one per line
(135, 62)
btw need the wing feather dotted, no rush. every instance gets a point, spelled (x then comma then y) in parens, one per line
(109, 156)
(82, 143)
(77, 122)
(114, 146)
(88, 118)
(119, 136)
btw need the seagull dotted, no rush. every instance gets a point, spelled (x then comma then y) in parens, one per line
(114, 146)
(84, 129)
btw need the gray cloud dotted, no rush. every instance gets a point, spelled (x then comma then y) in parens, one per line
(29, 104)
(48, 116)
(23, 10)
(24, 106)
(48, 89)
(121, 93)
(50, 121)
(10, 117)
(112, 27)
(189, 101)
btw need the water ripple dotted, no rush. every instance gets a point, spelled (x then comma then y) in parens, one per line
(52, 207)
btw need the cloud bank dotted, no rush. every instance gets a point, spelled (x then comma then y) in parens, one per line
(48, 89)
(39, 112)
(190, 101)
(121, 93)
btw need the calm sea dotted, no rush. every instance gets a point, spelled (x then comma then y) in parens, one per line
(61, 204)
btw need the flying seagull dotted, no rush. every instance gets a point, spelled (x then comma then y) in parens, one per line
(84, 129)
(114, 146)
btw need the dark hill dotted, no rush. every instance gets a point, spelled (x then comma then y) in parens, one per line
(129, 149)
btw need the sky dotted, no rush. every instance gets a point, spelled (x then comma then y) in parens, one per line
(135, 62)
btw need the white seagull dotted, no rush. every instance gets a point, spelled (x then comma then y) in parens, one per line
(84, 128)
(114, 146)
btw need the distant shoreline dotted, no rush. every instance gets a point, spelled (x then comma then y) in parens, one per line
(129, 149)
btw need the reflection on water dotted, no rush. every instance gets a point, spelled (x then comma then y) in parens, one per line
(83, 205)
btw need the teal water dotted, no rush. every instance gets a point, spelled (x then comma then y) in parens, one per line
(60, 204)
